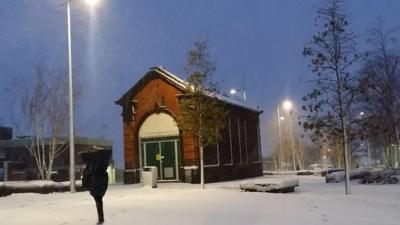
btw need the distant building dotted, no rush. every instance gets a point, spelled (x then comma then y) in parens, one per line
(19, 164)
(152, 138)
(5, 133)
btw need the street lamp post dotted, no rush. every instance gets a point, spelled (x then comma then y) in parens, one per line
(70, 100)
(280, 156)
(70, 107)
(367, 140)
(287, 105)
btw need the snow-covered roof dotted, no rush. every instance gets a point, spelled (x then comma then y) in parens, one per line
(183, 85)
(171, 77)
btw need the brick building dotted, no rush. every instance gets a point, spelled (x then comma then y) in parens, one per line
(152, 137)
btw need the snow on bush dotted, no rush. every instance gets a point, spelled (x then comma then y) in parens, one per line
(382, 176)
(337, 177)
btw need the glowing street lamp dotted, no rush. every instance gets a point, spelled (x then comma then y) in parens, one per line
(234, 91)
(287, 105)
(91, 2)
(70, 97)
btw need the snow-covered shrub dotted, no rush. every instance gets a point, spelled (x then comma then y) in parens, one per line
(383, 176)
(337, 177)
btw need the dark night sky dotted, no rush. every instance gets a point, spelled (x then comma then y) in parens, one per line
(260, 41)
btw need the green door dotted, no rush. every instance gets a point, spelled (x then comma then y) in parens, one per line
(168, 160)
(152, 155)
(162, 153)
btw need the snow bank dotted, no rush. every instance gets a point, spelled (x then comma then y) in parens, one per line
(36, 186)
(270, 185)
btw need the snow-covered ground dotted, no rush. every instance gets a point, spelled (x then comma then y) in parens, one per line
(313, 203)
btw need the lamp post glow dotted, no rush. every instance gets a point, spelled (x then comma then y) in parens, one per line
(70, 100)
(235, 91)
(287, 105)
(91, 2)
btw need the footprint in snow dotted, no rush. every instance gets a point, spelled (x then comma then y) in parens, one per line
(324, 218)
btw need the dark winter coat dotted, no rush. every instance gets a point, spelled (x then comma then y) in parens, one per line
(95, 179)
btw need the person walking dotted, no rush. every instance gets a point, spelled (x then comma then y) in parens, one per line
(95, 179)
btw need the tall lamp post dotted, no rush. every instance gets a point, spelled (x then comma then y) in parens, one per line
(367, 140)
(280, 155)
(70, 100)
(287, 106)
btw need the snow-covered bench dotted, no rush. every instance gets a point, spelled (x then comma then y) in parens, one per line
(276, 185)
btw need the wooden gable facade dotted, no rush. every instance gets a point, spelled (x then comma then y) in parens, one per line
(152, 138)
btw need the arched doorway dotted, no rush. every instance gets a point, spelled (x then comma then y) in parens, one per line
(159, 145)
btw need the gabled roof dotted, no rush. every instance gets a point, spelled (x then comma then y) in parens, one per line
(178, 82)
(159, 72)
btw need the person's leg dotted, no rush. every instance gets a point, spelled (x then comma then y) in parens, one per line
(99, 206)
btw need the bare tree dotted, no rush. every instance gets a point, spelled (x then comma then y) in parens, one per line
(12, 108)
(380, 76)
(46, 115)
(332, 53)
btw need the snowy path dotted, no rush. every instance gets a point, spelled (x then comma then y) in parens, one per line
(314, 202)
